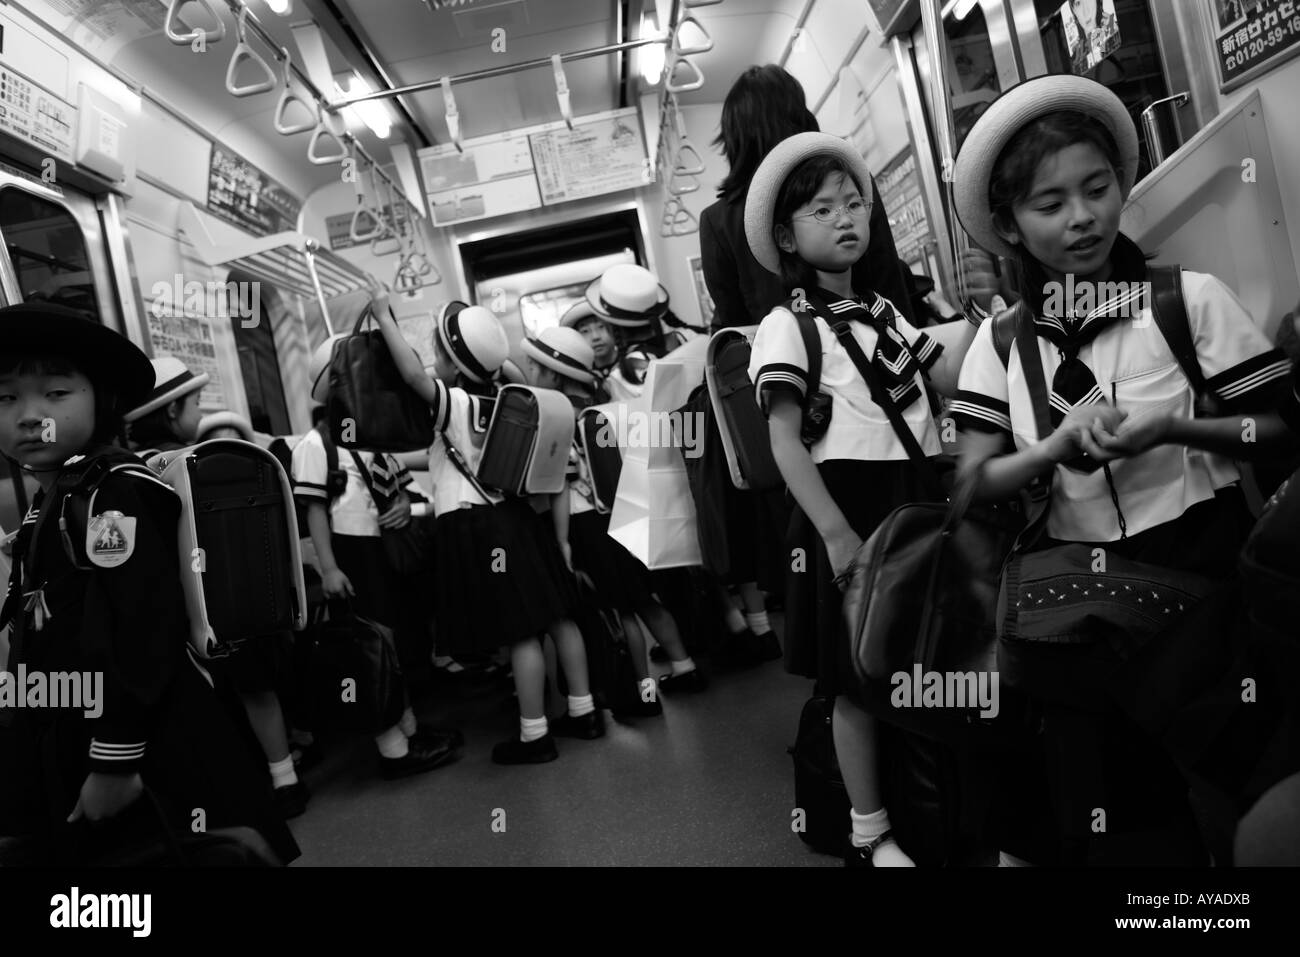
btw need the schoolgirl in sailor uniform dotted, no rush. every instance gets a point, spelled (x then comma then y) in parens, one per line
(1041, 180)
(107, 600)
(806, 219)
(559, 358)
(500, 578)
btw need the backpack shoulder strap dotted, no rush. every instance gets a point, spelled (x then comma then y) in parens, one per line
(1004, 332)
(1169, 310)
(806, 320)
(1031, 362)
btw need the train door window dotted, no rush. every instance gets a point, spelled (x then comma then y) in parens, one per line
(47, 250)
(972, 68)
(258, 362)
(543, 309)
(1111, 41)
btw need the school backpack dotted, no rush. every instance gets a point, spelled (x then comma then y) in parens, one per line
(1270, 564)
(526, 451)
(740, 421)
(820, 799)
(241, 569)
(602, 455)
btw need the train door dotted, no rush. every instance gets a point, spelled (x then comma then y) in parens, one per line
(259, 362)
(54, 251)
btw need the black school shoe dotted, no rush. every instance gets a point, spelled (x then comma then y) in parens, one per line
(589, 726)
(423, 755)
(291, 800)
(692, 682)
(437, 737)
(738, 652)
(861, 856)
(515, 751)
(769, 648)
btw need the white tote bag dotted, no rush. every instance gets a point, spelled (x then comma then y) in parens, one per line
(654, 513)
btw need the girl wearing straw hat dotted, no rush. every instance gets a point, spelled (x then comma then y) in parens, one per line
(806, 219)
(561, 359)
(500, 579)
(1042, 180)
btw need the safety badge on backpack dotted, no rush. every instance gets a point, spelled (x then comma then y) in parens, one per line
(110, 539)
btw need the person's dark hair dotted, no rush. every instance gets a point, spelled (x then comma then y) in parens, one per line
(108, 428)
(153, 430)
(319, 414)
(800, 187)
(1013, 177)
(763, 107)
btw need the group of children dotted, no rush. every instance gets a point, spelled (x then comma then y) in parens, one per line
(1041, 180)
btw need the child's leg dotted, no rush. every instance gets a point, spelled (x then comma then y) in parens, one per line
(573, 657)
(663, 626)
(264, 715)
(735, 620)
(855, 748)
(528, 663)
(636, 646)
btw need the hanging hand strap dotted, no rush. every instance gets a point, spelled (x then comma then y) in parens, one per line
(929, 474)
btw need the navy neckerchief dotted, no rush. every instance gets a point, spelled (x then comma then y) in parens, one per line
(893, 360)
(1073, 383)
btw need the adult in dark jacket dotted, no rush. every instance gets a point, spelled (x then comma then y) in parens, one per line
(764, 106)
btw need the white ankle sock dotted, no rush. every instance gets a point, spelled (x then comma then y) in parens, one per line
(392, 743)
(735, 620)
(868, 827)
(683, 666)
(530, 729)
(758, 623)
(282, 773)
(1010, 860)
(580, 706)
(407, 724)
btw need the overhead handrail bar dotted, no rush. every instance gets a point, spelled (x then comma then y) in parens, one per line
(680, 50)
(186, 39)
(242, 49)
(453, 114)
(502, 70)
(287, 97)
(562, 90)
(700, 3)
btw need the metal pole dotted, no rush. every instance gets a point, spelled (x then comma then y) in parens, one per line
(309, 254)
(932, 25)
(494, 71)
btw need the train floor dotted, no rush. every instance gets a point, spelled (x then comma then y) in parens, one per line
(707, 783)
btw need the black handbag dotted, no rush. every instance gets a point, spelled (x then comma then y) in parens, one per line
(353, 677)
(370, 406)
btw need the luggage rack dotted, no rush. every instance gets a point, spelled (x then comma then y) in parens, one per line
(291, 261)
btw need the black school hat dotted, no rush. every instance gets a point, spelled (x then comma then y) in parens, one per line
(43, 329)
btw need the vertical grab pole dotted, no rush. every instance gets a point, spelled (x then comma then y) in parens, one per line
(932, 24)
(309, 254)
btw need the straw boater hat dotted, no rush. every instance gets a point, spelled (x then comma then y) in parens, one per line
(224, 420)
(627, 295)
(473, 338)
(172, 381)
(565, 351)
(760, 202)
(1005, 117)
(318, 369)
(577, 313)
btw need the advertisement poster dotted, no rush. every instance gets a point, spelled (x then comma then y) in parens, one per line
(1253, 36)
(701, 290)
(189, 338)
(900, 189)
(244, 196)
(1091, 32)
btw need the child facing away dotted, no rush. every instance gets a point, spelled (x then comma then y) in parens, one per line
(806, 219)
(345, 526)
(1041, 180)
(561, 359)
(106, 602)
(501, 579)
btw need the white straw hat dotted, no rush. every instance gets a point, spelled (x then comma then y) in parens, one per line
(627, 295)
(224, 420)
(760, 202)
(474, 339)
(576, 313)
(172, 381)
(565, 351)
(1005, 117)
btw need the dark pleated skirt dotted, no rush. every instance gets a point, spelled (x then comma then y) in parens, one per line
(363, 559)
(756, 525)
(621, 581)
(816, 639)
(497, 581)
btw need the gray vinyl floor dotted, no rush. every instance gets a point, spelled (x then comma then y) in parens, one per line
(708, 783)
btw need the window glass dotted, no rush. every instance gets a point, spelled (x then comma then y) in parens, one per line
(47, 250)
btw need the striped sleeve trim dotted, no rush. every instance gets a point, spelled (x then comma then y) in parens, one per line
(310, 490)
(781, 373)
(106, 751)
(440, 407)
(1248, 384)
(974, 410)
(927, 351)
